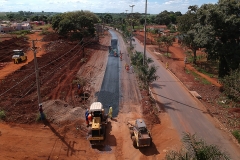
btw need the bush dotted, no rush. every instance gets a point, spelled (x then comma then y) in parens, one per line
(22, 32)
(236, 134)
(2, 114)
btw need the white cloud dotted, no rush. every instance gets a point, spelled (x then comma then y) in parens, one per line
(98, 6)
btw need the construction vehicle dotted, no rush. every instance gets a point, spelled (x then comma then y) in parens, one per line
(140, 135)
(114, 47)
(97, 127)
(18, 56)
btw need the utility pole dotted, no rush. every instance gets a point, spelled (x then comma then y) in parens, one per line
(145, 30)
(131, 27)
(36, 71)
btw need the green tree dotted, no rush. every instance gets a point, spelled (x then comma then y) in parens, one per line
(187, 28)
(220, 34)
(167, 41)
(108, 18)
(163, 18)
(77, 24)
(10, 17)
(178, 13)
(133, 19)
(55, 21)
(147, 74)
(196, 149)
(232, 86)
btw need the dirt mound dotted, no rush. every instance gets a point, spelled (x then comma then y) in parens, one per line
(58, 111)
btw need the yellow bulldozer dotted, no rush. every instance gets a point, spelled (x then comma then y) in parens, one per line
(18, 56)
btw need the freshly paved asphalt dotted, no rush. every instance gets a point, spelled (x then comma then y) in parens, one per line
(109, 93)
(187, 114)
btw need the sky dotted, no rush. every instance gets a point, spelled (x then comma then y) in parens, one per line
(100, 6)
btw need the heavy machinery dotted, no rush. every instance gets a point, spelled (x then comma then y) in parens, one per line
(140, 135)
(97, 127)
(18, 56)
(113, 49)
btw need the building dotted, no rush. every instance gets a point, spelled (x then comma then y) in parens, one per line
(160, 28)
(6, 28)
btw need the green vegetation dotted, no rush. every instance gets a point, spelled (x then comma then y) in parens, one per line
(2, 114)
(22, 32)
(200, 79)
(196, 149)
(41, 27)
(232, 87)
(236, 134)
(76, 24)
(145, 72)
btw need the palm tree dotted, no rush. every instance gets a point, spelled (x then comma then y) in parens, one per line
(137, 59)
(147, 75)
(196, 149)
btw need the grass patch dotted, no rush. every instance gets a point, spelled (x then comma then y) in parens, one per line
(168, 55)
(22, 32)
(236, 134)
(2, 114)
(200, 79)
(42, 27)
(204, 71)
(187, 71)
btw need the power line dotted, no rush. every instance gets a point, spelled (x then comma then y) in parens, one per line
(17, 84)
(42, 67)
(60, 56)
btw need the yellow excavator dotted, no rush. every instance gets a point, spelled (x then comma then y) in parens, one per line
(18, 56)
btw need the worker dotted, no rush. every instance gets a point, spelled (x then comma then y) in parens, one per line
(102, 114)
(41, 112)
(79, 86)
(185, 61)
(86, 116)
(127, 67)
(131, 69)
(166, 65)
(110, 112)
(90, 117)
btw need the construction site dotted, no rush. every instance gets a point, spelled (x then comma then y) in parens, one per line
(64, 65)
